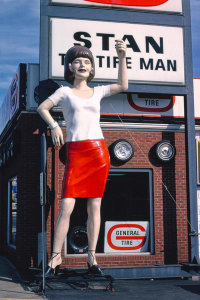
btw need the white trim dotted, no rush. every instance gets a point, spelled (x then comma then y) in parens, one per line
(139, 126)
(108, 254)
(142, 127)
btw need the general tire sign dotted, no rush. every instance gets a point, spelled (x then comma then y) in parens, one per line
(158, 5)
(126, 236)
(154, 53)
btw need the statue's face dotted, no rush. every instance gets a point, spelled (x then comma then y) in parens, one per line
(81, 67)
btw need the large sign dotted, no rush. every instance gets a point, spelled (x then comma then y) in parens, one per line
(158, 5)
(196, 83)
(126, 236)
(11, 102)
(151, 54)
(198, 160)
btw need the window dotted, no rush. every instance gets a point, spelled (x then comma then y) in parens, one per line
(12, 212)
(127, 198)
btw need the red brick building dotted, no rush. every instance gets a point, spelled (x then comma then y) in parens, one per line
(144, 189)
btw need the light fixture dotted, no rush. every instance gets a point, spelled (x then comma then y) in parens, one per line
(165, 151)
(121, 150)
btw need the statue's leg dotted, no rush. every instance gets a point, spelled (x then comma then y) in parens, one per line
(61, 230)
(93, 226)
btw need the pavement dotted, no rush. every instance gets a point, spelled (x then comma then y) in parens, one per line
(12, 286)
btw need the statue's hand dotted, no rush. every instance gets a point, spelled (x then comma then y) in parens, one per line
(57, 136)
(120, 48)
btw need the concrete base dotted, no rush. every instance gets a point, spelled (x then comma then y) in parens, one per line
(148, 272)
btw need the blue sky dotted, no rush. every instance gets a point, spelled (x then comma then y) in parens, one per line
(19, 37)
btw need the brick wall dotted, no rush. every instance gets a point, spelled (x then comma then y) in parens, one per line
(170, 208)
(170, 211)
(25, 166)
(29, 210)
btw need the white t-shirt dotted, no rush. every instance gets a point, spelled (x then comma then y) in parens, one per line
(82, 115)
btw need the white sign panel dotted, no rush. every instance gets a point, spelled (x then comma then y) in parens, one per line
(154, 53)
(126, 236)
(198, 207)
(150, 105)
(196, 83)
(143, 105)
(158, 5)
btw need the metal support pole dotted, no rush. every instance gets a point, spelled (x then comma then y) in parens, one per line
(43, 203)
(190, 137)
(46, 88)
(43, 159)
(191, 176)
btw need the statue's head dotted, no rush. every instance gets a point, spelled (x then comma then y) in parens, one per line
(71, 55)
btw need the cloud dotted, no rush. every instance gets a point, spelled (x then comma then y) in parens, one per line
(19, 50)
(195, 24)
(21, 29)
(9, 7)
(5, 83)
(19, 38)
(8, 68)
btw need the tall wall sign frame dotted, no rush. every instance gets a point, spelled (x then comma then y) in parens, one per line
(148, 49)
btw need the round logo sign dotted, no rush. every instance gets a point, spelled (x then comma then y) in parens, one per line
(151, 103)
(126, 236)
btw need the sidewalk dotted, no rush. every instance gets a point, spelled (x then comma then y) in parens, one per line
(11, 284)
(13, 287)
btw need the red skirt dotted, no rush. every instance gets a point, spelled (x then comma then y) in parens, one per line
(86, 170)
